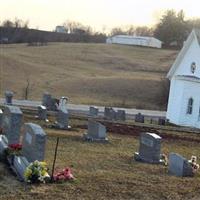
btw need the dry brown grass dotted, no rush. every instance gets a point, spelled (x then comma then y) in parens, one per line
(106, 171)
(87, 73)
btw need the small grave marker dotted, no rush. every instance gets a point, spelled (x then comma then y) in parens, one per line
(109, 113)
(121, 115)
(139, 118)
(8, 97)
(96, 132)
(179, 166)
(93, 111)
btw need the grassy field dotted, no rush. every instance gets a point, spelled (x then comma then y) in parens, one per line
(100, 74)
(106, 171)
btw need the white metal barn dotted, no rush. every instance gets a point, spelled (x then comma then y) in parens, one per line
(184, 98)
(134, 40)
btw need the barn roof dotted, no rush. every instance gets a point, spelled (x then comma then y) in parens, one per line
(194, 34)
(136, 37)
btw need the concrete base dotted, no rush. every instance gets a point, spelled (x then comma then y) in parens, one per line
(60, 127)
(37, 117)
(87, 137)
(138, 158)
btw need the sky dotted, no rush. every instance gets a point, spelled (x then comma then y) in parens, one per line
(100, 14)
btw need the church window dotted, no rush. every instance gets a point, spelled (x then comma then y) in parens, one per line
(190, 106)
(193, 67)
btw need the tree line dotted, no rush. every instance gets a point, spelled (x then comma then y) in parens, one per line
(172, 29)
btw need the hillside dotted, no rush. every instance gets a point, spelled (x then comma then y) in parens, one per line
(100, 74)
(106, 170)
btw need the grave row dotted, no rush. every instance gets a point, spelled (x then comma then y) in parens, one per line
(50, 103)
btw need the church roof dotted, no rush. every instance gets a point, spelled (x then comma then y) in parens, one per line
(197, 33)
(189, 77)
(194, 34)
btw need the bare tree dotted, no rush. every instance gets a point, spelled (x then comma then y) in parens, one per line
(27, 89)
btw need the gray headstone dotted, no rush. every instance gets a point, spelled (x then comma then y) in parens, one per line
(11, 123)
(49, 102)
(42, 112)
(93, 111)
(8, 97)
(96, 131)
(149, 150)
(121, 115)
(1, 117)
(46, 100)
(139, 118)
(179, 166)
(20, 164)
(161, 121)
(3, 145)
(34, 140)
(109, 113)
(62, 119)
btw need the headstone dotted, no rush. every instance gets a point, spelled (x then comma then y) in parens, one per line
(179, 166)
(20, 164)
(149, 150)
(121, 115)
(93, 111)
(46, 100)
(49, 102)
(1, 118)
(3, 145)
(161, 121)
(11, 123)
(42, 113)
(109, 113)
(62, 119)
(33, 144)
(139, 118)
(96, 132)
(8, 97)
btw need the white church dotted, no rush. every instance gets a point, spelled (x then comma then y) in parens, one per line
(184, 75)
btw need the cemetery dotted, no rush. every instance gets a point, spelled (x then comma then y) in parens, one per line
(133, 153)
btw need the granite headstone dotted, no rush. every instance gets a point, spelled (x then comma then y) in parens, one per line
(109, 113)
(96, 131)
(121, 115)
(42, 112)
(20, 164)
(33, 144)
(11, 123)
(179, 166)
(93, 112)
(149, 149)
(139, 118)
(8, 97)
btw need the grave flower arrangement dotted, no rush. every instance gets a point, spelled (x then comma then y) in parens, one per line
(193, 162)
(13, 150)
(164, 159)
(37, 172)
(64, 175)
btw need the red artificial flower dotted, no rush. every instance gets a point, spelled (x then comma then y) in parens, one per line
(15, 146)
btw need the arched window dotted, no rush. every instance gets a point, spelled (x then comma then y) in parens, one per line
(190, 106)
(193, 67)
